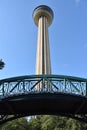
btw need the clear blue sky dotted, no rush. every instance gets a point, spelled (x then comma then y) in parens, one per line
(68, 37)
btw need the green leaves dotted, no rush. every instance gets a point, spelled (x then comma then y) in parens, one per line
(2, 64)
(18, 124)
(46, 122)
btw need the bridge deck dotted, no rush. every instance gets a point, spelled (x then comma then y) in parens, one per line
(44, 103)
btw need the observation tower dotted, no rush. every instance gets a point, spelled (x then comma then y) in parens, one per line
(43, 16)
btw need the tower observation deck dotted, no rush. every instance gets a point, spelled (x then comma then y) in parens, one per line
(43, 16)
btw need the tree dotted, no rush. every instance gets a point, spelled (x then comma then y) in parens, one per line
(49, 122)
(18, 124)
(2, 64)
(35, 123)
(46, 122)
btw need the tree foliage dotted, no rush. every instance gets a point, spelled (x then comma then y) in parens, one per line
(18, 124)
(45, 122)
(2, 64)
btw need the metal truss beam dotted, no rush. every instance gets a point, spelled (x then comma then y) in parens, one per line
(42, 83)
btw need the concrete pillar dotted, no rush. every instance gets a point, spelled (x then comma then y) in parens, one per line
(43, 16)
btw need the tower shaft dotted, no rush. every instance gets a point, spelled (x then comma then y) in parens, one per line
(43, 64)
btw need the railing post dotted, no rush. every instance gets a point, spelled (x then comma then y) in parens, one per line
(23, 86)
(3, 90)
(86, 88)
(65, 85)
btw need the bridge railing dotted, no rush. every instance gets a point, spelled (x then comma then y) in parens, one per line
(42, 84)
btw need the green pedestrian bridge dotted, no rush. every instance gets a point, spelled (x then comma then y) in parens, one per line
(43, 94)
